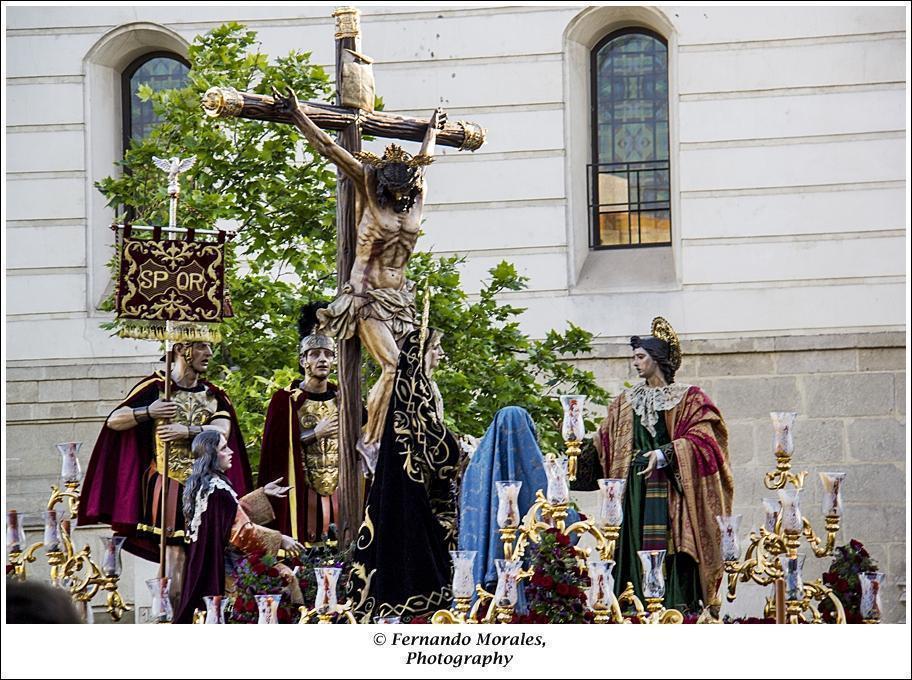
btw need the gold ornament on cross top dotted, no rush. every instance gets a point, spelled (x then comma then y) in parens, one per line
(348, 22)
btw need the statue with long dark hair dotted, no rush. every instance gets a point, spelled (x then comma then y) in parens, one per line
(220, 526)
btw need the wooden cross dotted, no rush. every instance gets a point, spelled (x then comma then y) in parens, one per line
(350, 123)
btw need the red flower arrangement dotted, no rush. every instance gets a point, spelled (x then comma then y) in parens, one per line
(848, 562)
(256, 574)
(556, 591)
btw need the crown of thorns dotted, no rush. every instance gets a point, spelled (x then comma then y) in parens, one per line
(394, 154)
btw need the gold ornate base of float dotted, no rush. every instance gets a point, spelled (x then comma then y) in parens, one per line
(541, 517)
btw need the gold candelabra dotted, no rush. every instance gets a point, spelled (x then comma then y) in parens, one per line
(546, 513)
(325, 615)
(75, 571)
(772, 556)
(573, 452)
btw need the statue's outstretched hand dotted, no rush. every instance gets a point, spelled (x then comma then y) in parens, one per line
(275, 489)
(287, 102)
(291, 546)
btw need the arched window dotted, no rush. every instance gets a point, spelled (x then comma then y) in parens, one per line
(629, 180)
(158, 70)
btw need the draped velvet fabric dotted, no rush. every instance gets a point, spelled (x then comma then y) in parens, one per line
(508, 451)
(281, 441)
(205, 574)
(401, 565)
(702, 487)
(113, 487)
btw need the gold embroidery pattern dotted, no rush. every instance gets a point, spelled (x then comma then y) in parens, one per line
(143, 295)
(420, 433)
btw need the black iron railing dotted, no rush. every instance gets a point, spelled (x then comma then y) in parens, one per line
(645, 190)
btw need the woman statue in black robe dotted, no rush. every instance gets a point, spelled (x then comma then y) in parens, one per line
(401, 566)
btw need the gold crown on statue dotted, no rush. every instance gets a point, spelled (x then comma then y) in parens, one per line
(394, 154)
(662, 330)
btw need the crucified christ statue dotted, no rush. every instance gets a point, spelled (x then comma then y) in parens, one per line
(377, 303)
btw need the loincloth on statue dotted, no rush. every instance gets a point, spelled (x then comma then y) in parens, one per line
(394, 307)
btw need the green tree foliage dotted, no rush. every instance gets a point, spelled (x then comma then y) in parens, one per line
(263, 179)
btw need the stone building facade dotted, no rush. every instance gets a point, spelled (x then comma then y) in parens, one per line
(784, 271)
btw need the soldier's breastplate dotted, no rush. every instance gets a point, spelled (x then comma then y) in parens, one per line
(321, 458)
(193, 408)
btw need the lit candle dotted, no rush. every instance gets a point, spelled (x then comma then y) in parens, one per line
(573, 428)
(871, 583)
(52, 541)
(791, 570)
(70, 471)
(771, 514)
(463, 581)
(15, 532)
(507, 592)
(653, 577)
(601, 584)
(783, 439)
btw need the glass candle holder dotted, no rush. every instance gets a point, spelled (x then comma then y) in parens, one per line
(327, 577)
(268, 608)
(610, 510)
(508, 503)
(215, 608)
(70, 470)
(160, 611)
(789, 499)
(770, 514)
(652, 562)
(15, 532)
(110, 555)
(729, 526)
(601, 584)
(388, 620)
(507, 591)
(463, 580)
(573, 427)
(558, 492)
(871, 585)
(783, 437)
(831, 502)
(52, 541)
(791, 572)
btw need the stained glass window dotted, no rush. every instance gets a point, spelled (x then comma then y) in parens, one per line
(160, 71)
(629, 180)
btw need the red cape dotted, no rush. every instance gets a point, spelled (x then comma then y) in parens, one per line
(281, 438)
(112, 490)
